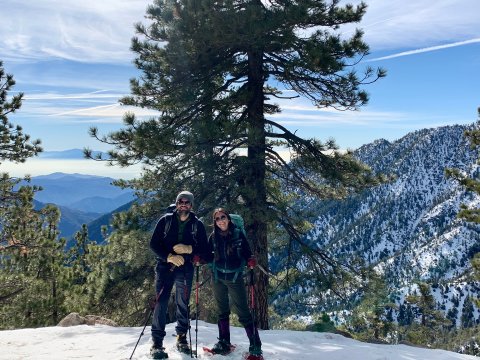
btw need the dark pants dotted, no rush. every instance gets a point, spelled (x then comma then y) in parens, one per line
(232, 293)
(182, 278)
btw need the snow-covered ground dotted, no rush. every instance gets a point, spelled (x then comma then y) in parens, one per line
(117, 343)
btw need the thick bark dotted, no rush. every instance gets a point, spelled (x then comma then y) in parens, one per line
(255, 191)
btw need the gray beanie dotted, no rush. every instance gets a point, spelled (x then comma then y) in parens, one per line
(185, 195)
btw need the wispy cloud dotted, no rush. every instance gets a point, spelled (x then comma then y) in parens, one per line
(57, 107)
(100, 31)
(111, 110)
(427, 49)
(73, 62)
(315, 119)
(53, 107)
(101, 94)
(87, 31)
(300, 113)
(419, 23)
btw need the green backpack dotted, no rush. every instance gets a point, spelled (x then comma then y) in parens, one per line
(239, 223)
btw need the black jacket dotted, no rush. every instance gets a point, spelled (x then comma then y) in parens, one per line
(228, 252)
(162, 244)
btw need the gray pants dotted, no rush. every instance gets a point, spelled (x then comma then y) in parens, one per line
(228, 293)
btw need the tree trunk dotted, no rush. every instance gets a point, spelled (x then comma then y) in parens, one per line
(206, 195)
(55, 316)
(255, 192)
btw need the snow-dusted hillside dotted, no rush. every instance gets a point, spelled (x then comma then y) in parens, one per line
(408, 227)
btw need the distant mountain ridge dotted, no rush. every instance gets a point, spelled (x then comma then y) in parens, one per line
(86, 193)
(71, 221)
(408, 228)
(95, 227)
(66, 154)
(80, 198)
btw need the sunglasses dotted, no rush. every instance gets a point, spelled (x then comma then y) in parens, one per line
(181, 202)
(223, 217)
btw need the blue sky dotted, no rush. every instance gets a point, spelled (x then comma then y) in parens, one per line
(72, 61)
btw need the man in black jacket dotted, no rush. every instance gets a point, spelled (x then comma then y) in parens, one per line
(178, 238)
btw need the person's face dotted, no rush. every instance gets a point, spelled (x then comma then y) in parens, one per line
(221, 220)
(184, 205)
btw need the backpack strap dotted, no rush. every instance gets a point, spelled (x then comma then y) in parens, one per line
(212, 264)
(194, 231)
(237, 271)
(237, 241)
(168, 224)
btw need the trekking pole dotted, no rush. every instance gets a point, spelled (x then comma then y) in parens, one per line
(196, 309)
(252, 305)
(185, 292)
(146, 322)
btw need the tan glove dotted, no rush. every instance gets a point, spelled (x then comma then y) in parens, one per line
(182, 249)
(176, 260)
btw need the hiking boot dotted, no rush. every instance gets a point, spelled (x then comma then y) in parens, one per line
(222, 347)
(157, 351)
(182, 344)
(255, 350)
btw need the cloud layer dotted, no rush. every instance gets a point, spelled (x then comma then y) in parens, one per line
(411, 24)
(87, 30)
(100, 31)
(73, 62)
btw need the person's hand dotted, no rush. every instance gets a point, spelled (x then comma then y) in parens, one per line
(196, 260)
(152, 301)
(176, 260)
(182, 249)
(252, 262)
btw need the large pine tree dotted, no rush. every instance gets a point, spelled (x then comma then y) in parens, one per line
(14, 144)
(210, 69)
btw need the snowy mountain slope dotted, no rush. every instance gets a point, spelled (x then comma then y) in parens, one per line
(112, 343)
(408, 227)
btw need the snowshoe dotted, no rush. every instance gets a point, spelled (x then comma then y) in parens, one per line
(182, 345)
(254, 353)
(158, 352)
(249, 356)
(219, 351)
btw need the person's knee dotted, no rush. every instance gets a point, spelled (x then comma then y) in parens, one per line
(225, 315)
(245, 320)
